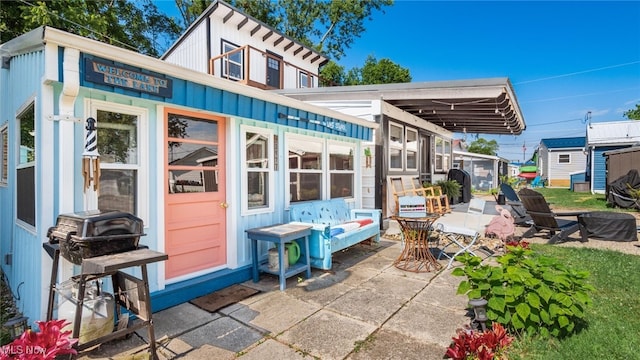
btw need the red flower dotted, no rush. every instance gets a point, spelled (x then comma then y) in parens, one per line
(479, 345)
(43, 345)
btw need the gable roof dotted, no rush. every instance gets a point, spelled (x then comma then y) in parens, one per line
(232, 16)
(569, 142)
(614, 133)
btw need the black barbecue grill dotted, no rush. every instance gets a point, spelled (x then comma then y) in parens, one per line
(88, 234)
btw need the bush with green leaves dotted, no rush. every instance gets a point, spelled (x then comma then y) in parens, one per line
(527, 292)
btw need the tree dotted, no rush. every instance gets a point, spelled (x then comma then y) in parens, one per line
(133, 25)
(384, 71)
(329, 27)
(633, 114)
(482, 146)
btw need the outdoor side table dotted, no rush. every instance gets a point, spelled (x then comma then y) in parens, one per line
(130, 292)
(416, 255)
(280, 235)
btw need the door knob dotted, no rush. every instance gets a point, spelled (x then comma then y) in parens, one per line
(224, 205)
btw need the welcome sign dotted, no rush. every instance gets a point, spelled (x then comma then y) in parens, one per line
(124, 77)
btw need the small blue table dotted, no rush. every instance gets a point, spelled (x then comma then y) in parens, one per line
(280, 235)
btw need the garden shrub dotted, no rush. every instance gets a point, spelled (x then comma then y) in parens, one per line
(527, 292)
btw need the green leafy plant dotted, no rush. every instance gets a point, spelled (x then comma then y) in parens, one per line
(451, 188)
(478, 345)
(527, 293)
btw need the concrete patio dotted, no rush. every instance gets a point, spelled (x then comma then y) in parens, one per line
(364, 308)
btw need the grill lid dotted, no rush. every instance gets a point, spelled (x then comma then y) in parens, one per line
(94, 223)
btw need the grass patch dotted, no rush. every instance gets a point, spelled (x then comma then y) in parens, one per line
(613, 321)
(569, 199)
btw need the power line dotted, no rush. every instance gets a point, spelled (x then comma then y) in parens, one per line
(578, 72)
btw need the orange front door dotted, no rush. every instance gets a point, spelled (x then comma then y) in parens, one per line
(195, 209)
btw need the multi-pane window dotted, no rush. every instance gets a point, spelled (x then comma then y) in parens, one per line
(412, 149)
(564, 158)
(442, 154)
(396, 144)
(305, 169)
(257, 145)
(4, 155)
(26, 195)
(341, 173)
(192, 146)
(233, 62)
(118, 140)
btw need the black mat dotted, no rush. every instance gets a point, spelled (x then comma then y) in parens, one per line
(224, 297)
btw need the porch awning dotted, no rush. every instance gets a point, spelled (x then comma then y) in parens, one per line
(482, 106)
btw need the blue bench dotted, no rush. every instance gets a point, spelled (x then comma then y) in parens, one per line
(332, 227)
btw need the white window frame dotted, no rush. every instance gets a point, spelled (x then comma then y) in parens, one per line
(269, 170)
(304, 79)
(411, 148)
(396, 146)
(227, 47)
(352, 146)
(323, 177)
(446, 156)
(568, 155)
(141, 167)
(4, 150)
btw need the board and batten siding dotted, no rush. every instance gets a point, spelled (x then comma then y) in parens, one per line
(192, 51)
(23, 84)
(599, 168)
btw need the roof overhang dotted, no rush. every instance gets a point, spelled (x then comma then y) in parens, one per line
(483, 106)
(40, 36)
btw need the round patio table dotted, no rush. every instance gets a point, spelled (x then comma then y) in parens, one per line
(416, 255)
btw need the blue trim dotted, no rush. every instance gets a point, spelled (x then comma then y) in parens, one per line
(199, 96)
(176, 294)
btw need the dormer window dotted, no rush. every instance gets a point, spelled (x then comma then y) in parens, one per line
(233, 62)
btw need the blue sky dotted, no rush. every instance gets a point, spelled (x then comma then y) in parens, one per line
(563, 58)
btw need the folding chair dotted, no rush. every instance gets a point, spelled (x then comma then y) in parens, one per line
(465, 236)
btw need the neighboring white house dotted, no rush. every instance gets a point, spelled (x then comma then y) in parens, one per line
(558, 158)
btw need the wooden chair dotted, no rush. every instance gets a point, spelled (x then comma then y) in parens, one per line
(397, 189)
(433, 203)
(444, 199)
(545, 219)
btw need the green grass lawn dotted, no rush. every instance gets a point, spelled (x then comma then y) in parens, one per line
(613, 320)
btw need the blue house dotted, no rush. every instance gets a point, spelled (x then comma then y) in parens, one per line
(603, 137)
(198, 158)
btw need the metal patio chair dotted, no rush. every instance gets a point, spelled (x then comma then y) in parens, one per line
(463, 237)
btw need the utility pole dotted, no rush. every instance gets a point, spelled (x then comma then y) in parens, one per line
(524, 151)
